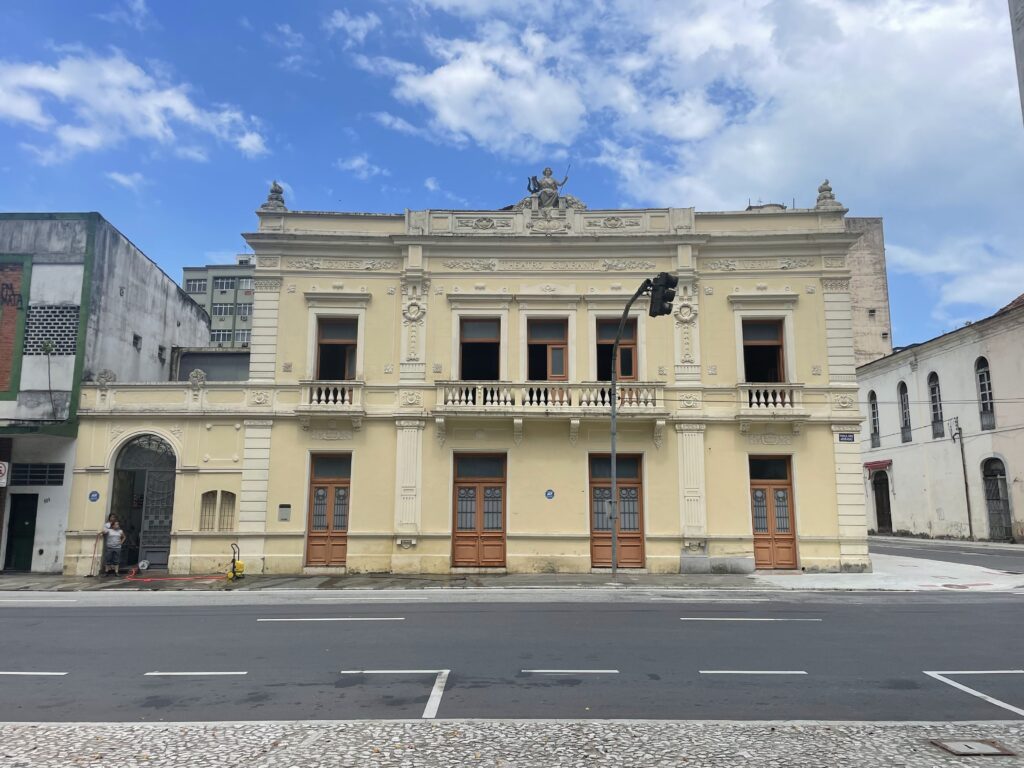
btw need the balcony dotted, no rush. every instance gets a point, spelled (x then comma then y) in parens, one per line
(330, 397)
(767, 399)
(549, 398)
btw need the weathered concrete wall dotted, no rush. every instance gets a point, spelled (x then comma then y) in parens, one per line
(869, 290)
(53, 500)
(132, 296)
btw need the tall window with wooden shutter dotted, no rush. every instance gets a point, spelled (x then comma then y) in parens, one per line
(626, 364)
(217, 511)
(763, 354)
(337, 338)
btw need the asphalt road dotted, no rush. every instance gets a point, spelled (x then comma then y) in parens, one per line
(859, 658)
(998, 559)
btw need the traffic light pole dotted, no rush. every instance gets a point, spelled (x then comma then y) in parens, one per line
(645, 286)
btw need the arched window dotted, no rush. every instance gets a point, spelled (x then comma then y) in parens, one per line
(876, 438)
(935, 399)
(904, 400)
(217, 515)
(143, 499)
(986, 403)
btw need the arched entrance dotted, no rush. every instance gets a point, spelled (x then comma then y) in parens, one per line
(143, 499)
(997, 500)
(883, 514)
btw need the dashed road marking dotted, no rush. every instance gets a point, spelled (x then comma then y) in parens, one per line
(737, 618)
(570, 671)
(191, 674)
(752, 672)
(342, 618)
(34, 674)
(355, 599)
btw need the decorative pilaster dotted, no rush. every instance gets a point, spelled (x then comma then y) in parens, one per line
(252, 505)
(263, 343)
(687, 331)
(850, 506)
(839, 330)
(415, 292)
(408, 474)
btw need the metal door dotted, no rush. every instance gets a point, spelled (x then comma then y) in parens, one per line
(327, 537)
(1000, 527)
(157, 510)
(774, 530)
(21, 532)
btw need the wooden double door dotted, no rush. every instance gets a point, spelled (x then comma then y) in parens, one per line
(329, 495)
(629, 520)
(478, 509)
(771, 504)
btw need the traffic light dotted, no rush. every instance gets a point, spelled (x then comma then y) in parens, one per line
(663, 293)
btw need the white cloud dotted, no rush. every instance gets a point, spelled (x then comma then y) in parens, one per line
(134, 13)
(396, 123)
(132, 181)
(361, 167)
(431, 184)
(355, 28)
(198, 154)
(90, 102)
(286, 37)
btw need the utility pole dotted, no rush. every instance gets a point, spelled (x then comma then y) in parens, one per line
(663, 292)
(958, 435)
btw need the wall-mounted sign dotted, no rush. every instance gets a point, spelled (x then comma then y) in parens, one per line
(549, 494)
(94, 495)
(846, 437)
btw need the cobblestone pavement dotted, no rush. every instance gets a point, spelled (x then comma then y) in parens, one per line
(500, 744)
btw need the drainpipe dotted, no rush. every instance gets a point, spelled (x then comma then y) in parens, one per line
(958, 434)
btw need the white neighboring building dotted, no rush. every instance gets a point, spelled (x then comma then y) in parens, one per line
(914, 471)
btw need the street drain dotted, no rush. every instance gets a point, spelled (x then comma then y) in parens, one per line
(981, 747)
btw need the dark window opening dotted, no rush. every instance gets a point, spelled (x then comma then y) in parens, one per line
(490, 467)
(37, 474)
(546, 350)
(906, 432)
(136, 341)
(769, 469)
(480, 350)
(332, 465)
(626, 467)
(626, 370)
(762, 351)
(336, 351)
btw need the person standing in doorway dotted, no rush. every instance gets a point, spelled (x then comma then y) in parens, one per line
(112, 550)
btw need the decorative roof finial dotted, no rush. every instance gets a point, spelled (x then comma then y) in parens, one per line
(826, 199)
(275, 198)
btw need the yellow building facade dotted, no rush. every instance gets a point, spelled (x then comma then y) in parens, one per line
(428, 393)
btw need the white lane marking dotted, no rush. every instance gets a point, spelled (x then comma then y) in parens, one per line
(752, 672)
(37, 600)
(433, 702)
(344, 618)
(190, 674)
(570, 671)
(347, 599)
(34, 674)
(736, 618)
(941, 676)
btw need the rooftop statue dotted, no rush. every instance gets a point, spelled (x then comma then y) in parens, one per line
(545, 189)
(275, 199)
(826, 198)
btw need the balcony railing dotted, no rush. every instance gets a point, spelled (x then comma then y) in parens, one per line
(330, 396)
(546, 397)
(774, 397)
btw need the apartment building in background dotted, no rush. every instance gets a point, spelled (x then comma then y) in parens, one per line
(225, 291)
(428, 392)
(78, 303)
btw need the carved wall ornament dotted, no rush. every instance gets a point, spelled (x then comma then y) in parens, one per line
(627, 265)
(392, 290)
(259, 398)
(761, 287)
(413, 312)
(116, 430)
(286, 367)
(517, 430)
(843, 401)
(411, 398)
(722, 265)
(662, 370)
(389, 368)
(546, 224)
(614, 222)
(483, 223)
(331, 434)
(437, 368)
(816, 370)
(341, 265)
(689, 400)
(549, 288)
(574, 431)
(811, 289)
(472, 265)
(659, 433)
(686, 313)
(768, 438)
(267, 261)
(795, 263)
(835, 262)
(439, 430)
(835, 286)
(267, 284)
(105, 378)
(291, 287)
(709, 290)
(177, 431)
(197, 378)
(712, 370)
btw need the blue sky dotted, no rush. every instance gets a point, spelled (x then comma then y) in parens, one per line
(171, 118)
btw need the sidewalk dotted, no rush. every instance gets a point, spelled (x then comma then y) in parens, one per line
(915, 541)
(500, 744)
(891, 573)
